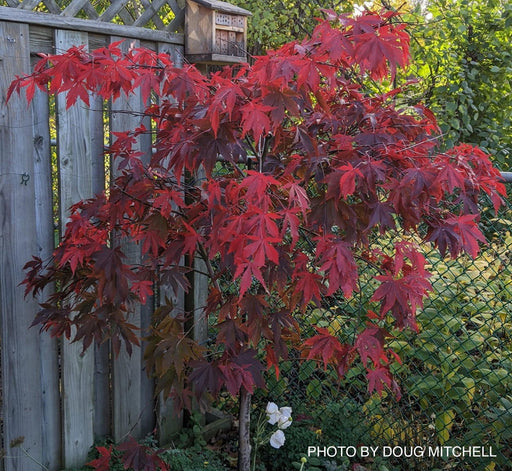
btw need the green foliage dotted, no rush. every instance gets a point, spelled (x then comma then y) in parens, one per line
(297, 439)
(195, 458)
(462, 55)
(331, 421)
(344, 422)
(275, 22)
(456, 374)
(461, 52)
(192, 435)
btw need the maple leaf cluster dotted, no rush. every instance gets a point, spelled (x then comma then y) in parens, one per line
(132, 455)
(249, 163)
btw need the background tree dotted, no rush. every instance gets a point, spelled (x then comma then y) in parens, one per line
(463, 52)
(277, 22)
(281, 176)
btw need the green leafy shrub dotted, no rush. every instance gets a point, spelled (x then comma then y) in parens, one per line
(463, 52)
(456, 378)
(456, 375)
(297, 439)
(195, 458)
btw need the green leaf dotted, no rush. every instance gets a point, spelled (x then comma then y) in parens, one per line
(469, 384)
(444, 424)
(306, 370)
(314, 389)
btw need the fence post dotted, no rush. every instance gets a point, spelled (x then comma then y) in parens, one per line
(21, 367)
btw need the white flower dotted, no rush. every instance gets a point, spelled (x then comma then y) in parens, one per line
(284, 422)
(277, 439)
(280, 416)
(273, 413)
(285, 417)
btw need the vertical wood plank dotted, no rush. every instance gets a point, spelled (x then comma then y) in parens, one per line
(177, 53)
(102, 390)
(45, 238)
(21, 367)
(130, 408)
(200, 286)
(200, 295)
(75, 172)
(97, 144)
(148, 417)
(169, 422)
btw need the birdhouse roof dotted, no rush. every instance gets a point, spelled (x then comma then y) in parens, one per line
(224, 7)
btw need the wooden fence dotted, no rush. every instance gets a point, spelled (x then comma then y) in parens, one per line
(54, 400)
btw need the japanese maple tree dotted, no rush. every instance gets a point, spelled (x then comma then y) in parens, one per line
(306, 153)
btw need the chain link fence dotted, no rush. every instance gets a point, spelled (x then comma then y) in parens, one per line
(455, 377)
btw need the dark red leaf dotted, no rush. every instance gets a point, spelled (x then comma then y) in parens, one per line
(380, 377)
(370, 345)
(140, 457)
(323, 346)
(103, 462)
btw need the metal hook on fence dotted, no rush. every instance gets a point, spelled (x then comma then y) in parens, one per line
(24, 179)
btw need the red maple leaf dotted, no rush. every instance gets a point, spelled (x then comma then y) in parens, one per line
(379, 45)
(307, 286)
(141, 457)
(457, 233)
(469, 233)
(247, 271)
(256, 119)
(143, 289)
(380, 377)
(206, 376)
(338, 264)
(348, 179)
(155, 235)
(103, 462)
(243, 370)
(323, 345)
(370, 345)
(403, 294)
(291, 223)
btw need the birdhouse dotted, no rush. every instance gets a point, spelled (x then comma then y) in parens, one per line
(215, 32)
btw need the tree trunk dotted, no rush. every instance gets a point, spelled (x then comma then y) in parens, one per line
(244, 435)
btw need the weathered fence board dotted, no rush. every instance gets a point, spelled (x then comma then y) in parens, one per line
(21, 349)
(78, 24)
(46, 240)
(128, 374)
(176, 52)
(54, 396)
(102, 395)
(75, 174)
(168, 421)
